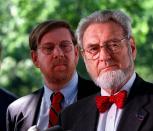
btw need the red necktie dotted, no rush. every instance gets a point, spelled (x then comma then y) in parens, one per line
(104, 102)
(56, 100)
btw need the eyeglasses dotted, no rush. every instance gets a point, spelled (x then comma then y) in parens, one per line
(65, 46)
(112, 46)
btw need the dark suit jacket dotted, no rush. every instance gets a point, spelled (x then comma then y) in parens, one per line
(5, 99)
(137, 114)
(23, 113)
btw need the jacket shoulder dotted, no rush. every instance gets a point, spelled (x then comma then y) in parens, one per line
(86, 88)
(24, 101)
(80, 110)
(142, 86)
(7, 96)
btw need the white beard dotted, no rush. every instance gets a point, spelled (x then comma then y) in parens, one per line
(111, 79)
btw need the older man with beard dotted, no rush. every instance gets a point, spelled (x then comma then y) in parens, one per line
(125, 102)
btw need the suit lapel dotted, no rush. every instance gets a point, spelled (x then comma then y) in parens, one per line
(81, 86)
(30, 114)
(86, 88)
(88, 120)
(133, 115)
(134, 112)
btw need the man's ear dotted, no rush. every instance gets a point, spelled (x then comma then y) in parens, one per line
(34, 57)
(133, 47)
(82, 53)
(76, 50)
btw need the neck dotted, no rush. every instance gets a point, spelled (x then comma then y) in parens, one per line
(56, 86)
(113, 90)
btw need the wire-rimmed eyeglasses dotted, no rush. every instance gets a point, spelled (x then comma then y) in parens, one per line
(113, 46)
(65, 46)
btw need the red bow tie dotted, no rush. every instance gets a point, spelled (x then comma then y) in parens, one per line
(104, 102)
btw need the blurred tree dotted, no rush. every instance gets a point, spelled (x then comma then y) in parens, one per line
(19, 17)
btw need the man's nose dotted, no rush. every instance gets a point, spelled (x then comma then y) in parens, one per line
(58, 52)
(104, 54)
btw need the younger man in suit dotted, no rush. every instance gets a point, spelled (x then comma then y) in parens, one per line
(125, 102)
(54, 52)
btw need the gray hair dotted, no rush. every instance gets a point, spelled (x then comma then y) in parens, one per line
(102, 17)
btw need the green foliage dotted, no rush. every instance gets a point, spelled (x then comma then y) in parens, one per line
(18, 17)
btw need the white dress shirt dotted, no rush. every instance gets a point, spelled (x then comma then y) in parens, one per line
(108, 121)
(70, 96)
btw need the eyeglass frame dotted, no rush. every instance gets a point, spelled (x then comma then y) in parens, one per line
(105, 45)
(60, 46)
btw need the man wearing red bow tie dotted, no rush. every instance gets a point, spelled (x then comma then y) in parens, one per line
(125, 102)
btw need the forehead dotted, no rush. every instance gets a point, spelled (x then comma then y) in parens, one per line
(102, 31)
(56, 35)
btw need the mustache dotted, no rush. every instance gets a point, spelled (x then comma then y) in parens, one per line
(59, 62)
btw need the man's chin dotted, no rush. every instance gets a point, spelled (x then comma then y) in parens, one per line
(111, 79)
(108, 70)
(60, 68)
(58, 79)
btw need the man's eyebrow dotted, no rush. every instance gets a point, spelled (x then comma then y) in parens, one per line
(92, 44)
(65, 41)
(47, 44)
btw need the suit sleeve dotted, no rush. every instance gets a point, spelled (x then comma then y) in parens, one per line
(10, 121)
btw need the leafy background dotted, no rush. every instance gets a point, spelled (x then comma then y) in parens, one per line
(19, 17)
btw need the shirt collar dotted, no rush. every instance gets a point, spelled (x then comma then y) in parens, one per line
(68, 90)
(126, 87)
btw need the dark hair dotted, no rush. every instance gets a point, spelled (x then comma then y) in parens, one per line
(45, 27)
